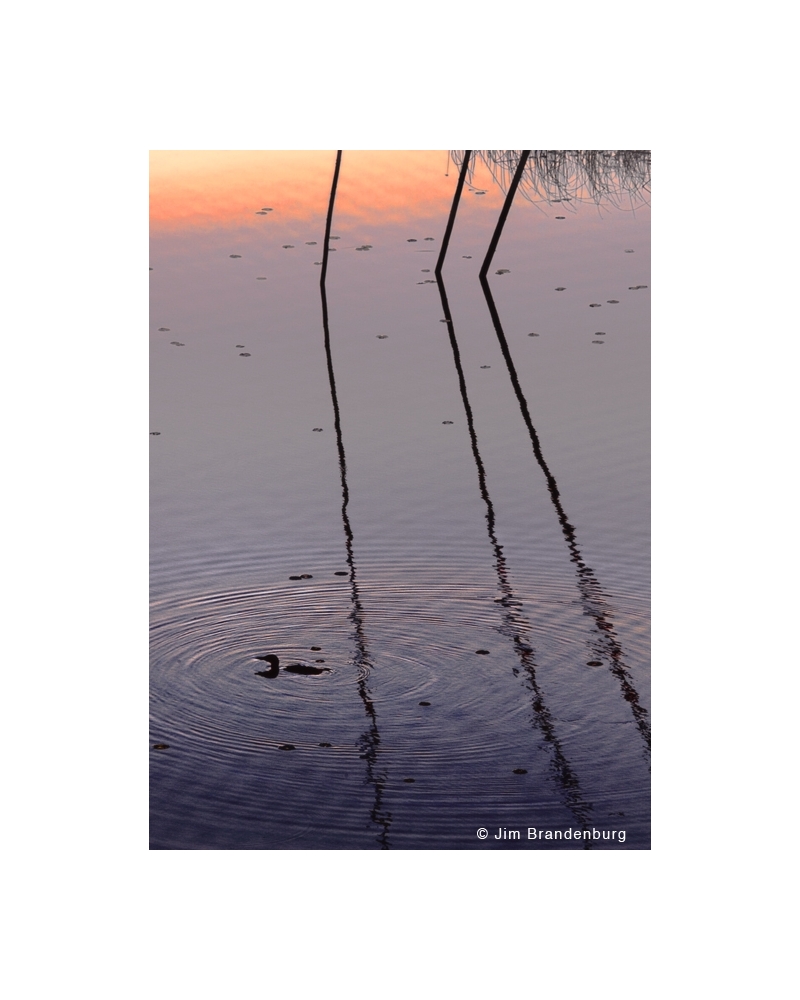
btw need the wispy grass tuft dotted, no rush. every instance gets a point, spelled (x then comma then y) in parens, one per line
(618, 177)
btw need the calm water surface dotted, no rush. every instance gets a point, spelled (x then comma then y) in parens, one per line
(449, 528)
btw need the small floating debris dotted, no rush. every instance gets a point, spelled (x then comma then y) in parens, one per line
(365, 246)
(482, 652)
(383, 336)
(409, 781)
(266, 209)
(334, 237)
(244, 354)
(411, 241)
(261, 213)
(426, 270)
(634, 288)
(561, 216)
(533, 334)
(340, 572)
(319, 661)
(427, 281)
(466, 256)
(155, 434)
(595, 305)
(317, 430)
(561, 288)
(594, 663)
(600, 333)
(442, 320)
(238, 345)
(287, 746)
(294, 577)
(425, 704)
(630, 251)
(177, 343)
(306, 576)
(430, 238)
(324, 744)
(287, 246)
(613, 302)
(316, 649)
(163, 329)
(235, 256)
(161, 746)
(311, 243)
(486, 366)
(503, 270)
(318, 262)
(447, 421)
(151, 269)
(598, 342)
(479, 192)
(261, 279)
(520, 770)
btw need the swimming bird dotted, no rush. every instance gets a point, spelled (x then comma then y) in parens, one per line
(290, 668)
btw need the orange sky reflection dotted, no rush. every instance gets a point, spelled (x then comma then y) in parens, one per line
(191, 189)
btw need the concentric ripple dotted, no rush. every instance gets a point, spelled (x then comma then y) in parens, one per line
(528, 729)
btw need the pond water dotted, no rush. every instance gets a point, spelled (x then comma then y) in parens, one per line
(464, 549)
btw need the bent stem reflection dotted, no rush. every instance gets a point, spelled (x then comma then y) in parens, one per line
(593, 600)
(370, 738)
(515, 625)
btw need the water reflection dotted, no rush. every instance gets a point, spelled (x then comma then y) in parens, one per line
(515, 625)
(595, 604)
(618, 177)
(370, 739)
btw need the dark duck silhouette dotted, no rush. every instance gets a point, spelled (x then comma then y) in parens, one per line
(290, 668)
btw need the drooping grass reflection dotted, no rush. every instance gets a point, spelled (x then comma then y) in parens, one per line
(618, 177)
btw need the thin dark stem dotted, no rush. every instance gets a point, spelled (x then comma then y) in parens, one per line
(453, 209)
(370, 738)
(504, 214)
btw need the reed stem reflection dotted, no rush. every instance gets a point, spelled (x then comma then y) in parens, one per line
(594, 602)
(369, 741)
(515, 625)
